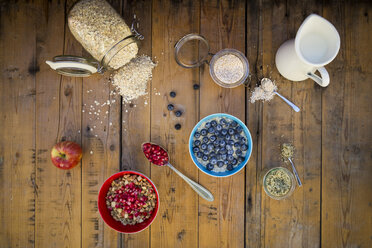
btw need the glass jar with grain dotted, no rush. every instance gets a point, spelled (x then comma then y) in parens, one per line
(103, 33)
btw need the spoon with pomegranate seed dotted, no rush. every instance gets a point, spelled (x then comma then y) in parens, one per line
(159, 156)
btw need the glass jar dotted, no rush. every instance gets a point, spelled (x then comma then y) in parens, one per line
(192, 51)
(104, 34)
(285, 177)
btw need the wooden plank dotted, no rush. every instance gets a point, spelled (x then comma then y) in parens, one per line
(17, 108)
(177, 222)
(136, 115)
(254, 122)
(58, 112)
(101, 141)
(347, 133)
(223, 25)
(293, 222)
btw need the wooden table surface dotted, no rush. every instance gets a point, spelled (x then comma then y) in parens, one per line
(42, 206)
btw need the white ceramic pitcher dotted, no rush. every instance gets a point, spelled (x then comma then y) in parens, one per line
(316, 44)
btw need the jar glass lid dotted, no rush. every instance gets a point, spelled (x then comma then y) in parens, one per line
(74, 66)
(191, 51)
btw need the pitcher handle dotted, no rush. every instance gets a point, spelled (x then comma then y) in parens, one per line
(323, 80)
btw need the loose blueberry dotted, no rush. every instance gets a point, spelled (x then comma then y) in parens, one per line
(203, 146)
(230, 167)
(177, 126)
(214, 123)
(210, 166)
(207, 125)
(196, 86)
(196, 135)
(170, 107)
(238, 152)
(231, 131)
(220, 164)
(172, 94)
(244, 147)
(196, 149)
(205, 157)
(197, 142)
(211, 130)
(213, 138)
(205, 139)
(204, 132)
(178, 113)
(199, 154)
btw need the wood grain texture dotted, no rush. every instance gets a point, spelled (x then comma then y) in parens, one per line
(17, 132)
(297, 218)
(176, 223)
(346, 131)
(223, 25)
(254, 123)
(59, 118)
(136, 122)
(42, 206)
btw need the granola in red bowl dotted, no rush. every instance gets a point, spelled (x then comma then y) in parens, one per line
(128, 202)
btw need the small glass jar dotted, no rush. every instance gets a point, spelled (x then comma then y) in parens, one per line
(193, 50)
(266, 175)
(104, 34)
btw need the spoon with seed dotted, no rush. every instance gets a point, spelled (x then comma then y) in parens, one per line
(287, 153)
(159, 156)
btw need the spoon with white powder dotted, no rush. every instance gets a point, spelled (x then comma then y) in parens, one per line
(266, 92)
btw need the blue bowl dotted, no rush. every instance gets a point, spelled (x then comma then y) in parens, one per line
(239, 166)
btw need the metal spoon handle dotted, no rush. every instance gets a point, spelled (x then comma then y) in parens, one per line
(295, 172)
(203, 192)
(295, 108)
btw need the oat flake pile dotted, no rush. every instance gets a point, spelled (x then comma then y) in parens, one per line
(131, 80)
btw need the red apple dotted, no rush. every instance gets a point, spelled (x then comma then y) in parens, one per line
(66, 154)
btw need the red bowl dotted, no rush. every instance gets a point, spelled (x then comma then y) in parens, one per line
(105, 213)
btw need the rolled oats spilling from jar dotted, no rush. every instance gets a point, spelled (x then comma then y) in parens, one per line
(131, 199)
(98, 27)
(131, 80)
(229, 68)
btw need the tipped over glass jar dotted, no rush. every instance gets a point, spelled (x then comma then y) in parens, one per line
(104, 34)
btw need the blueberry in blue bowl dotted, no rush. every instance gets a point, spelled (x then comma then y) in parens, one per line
(223, 151)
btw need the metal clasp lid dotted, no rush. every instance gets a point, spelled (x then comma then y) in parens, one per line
(74, 66)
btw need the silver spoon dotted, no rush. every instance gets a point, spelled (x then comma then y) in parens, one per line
(295, 172)
(295, 108)
(203, 192)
